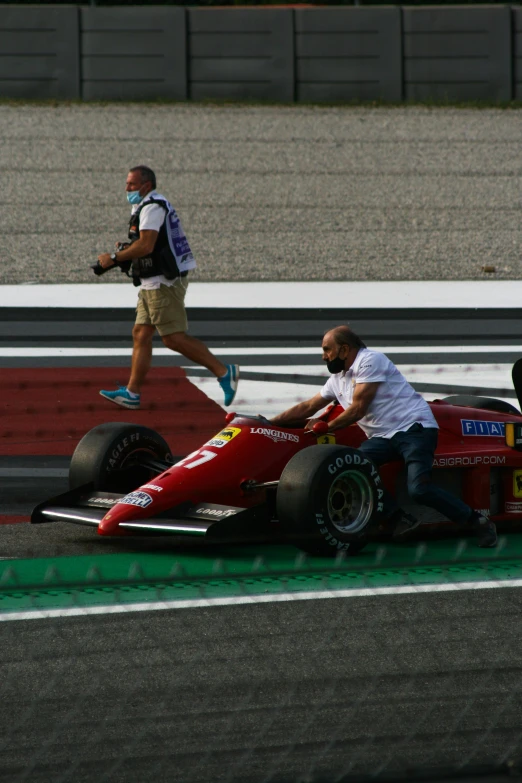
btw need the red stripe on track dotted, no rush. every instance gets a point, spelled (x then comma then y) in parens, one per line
(10, 519)
(47, 411)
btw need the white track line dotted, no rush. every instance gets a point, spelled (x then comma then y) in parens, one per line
(339, 294)
(160, 606)
(101, 351)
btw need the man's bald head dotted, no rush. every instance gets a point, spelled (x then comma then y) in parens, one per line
(343, 335)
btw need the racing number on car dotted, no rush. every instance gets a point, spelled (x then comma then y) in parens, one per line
(204, 456)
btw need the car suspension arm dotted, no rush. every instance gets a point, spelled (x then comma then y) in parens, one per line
(249, 485)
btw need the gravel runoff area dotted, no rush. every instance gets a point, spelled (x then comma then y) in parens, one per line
(266, 192)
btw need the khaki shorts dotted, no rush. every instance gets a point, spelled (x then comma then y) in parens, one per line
(164, 308)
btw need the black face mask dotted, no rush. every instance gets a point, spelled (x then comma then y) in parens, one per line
(335, 365)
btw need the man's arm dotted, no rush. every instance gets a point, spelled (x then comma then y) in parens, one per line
(293, 417)
(139, 249)
(362, 396)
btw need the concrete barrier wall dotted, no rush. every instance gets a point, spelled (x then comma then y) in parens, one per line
(39, 52)
(241, 53)
(517, 53)
(457, 55)
(348, 56)
(133, 53)
(277, 54)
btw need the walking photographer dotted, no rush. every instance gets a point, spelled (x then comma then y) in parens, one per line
(158, 258)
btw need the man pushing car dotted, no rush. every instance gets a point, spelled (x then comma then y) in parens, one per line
(159, 255)
(397, 421)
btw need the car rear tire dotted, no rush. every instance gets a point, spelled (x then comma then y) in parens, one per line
(486, 403)
(117, 457)
(329, 499)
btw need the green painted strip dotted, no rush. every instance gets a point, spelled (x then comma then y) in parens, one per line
(88, 581)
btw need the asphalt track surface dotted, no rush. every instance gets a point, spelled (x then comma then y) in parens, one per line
(272, 692)
(316, 690)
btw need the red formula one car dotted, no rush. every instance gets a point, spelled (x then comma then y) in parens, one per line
(255, 481)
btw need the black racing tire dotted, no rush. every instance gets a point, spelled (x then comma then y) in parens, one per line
(111, 457)
(486, 403)
(329, 499)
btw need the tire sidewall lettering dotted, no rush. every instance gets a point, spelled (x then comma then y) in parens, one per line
(334, 467)
(347, 461)
(121, 449)
(125, 446)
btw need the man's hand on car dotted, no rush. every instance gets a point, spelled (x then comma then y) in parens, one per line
(310, 423)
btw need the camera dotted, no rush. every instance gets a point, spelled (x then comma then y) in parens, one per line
(98, 269)
(124, 266)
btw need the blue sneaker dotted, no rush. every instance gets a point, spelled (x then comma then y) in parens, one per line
(122, 397)
(229, 383)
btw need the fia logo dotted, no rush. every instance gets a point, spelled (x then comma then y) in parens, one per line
(492, 429)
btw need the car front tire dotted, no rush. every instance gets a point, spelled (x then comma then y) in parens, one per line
(118, 457)
(329, 499)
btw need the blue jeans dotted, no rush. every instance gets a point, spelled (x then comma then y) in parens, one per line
(416, 446)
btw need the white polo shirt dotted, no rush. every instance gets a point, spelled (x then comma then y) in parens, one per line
(396, 405)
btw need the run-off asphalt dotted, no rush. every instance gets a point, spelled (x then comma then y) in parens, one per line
(264, 692)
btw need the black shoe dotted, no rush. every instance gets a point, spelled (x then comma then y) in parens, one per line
(486, 529)
(405, 523)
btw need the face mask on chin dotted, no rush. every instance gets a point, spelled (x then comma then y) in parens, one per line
(133, 197)
(335, 365)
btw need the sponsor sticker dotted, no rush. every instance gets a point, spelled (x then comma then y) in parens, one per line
(513, 508)
(217, 512)
(517, 483)
(459, 462)
(138, 498)
(153, 486)
(491, 429)
(104, 501)
(224, 437)
(325, 439)
(278, 436)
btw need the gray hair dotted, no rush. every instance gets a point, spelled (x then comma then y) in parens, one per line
(146, 174)
(343, 335)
